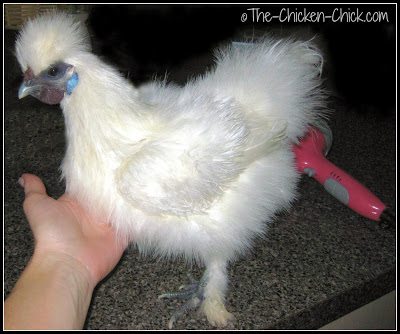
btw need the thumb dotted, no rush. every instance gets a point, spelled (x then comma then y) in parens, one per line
(35, 192)
(32, 184)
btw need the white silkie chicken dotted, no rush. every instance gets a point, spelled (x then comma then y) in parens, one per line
(195, 171)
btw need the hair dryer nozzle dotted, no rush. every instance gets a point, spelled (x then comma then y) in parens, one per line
(313, 147)
(327, 132)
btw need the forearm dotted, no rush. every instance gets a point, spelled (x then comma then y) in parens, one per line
(53, 292)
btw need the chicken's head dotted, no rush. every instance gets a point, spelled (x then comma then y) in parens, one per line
(43, 48)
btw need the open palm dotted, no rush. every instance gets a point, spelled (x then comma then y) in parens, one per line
(63, 227)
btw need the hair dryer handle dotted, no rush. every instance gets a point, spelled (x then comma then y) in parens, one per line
(345, 188)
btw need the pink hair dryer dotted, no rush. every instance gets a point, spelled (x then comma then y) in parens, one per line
(310, 160)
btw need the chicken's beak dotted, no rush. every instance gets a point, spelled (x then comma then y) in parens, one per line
(30, 85)
(27, 89)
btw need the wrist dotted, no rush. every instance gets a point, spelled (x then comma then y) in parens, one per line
(65, 271)
(54, 292)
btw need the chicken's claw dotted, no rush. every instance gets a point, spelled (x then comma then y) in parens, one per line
(193, 293)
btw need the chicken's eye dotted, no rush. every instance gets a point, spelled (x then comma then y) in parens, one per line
(52, 71)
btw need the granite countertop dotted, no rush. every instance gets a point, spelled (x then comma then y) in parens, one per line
(319, 261)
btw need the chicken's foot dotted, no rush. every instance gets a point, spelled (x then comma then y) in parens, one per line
(192, 292)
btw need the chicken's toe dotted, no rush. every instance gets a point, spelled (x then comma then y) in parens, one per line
(193, 293)
(212, 306)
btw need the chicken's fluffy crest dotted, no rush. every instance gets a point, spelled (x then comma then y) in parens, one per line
(50, 39)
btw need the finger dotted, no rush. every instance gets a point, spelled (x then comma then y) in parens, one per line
(35, 192)
(32, 184)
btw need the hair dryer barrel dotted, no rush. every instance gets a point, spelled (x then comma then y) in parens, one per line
(310, 160)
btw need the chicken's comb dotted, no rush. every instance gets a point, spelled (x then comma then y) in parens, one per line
(28, 75)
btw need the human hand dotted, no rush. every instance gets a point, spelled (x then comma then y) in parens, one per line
(62, 227)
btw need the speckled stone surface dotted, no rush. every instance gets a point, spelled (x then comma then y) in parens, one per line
(318, 261)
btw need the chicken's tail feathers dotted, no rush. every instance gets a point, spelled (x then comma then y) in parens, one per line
(276, 79)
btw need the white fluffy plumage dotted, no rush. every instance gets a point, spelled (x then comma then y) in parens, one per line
(195, 171)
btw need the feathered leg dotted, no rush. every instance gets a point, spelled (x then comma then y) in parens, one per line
(213, 304)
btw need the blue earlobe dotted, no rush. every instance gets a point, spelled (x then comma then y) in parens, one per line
(72, 83)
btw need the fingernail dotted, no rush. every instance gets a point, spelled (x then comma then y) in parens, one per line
(21, 182)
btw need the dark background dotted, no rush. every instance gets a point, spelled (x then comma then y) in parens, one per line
(143, 40)
(320, 260)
